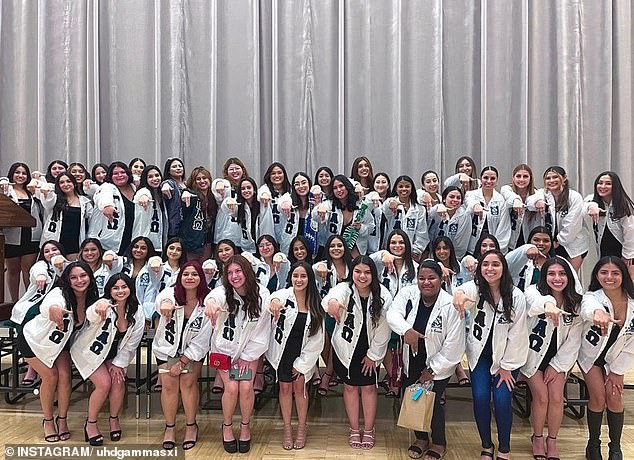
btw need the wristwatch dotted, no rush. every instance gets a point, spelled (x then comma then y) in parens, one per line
(431, 371)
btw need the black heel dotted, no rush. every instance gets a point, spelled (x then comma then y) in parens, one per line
(168, 445)
(244, 445)
(538, 456)
(50, 437)
(548, 456)
(231, 447)
(116, 434)
(95, 440)
(64, 435)
(190, 444)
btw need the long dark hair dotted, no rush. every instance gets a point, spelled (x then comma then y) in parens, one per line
(94, 241)
(242, 205)
(544, 230)
(183, 257)
(376, 306)
(207, 200)
(151, 252)
(61, 202)
(296, 199)
(562, 201)
(412, 192)
(407, 257)
(389, 182)
(484, 236)
(328, 191)
(155, 192)
(228, 242)
(453, 260)
(252, 302)
(168, 164)
(506, 285)
(313, 300)
(134, 160)
(131, 303)
(291, 254)
(63, 282)
(354, 173)
(118, 164)
(12, 170)
(57, 244)
(627, 286)
(270, 239)
(286, 185)
(347, 257)
(471, 162)
(351, 200)
(49, 174)
(621, 202)
(572, 299)
(94, 170)
(201, 291)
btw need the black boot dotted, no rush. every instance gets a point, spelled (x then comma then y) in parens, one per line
(593, 449)
(615, 428)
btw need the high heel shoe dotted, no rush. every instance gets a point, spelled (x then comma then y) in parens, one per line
(231, 447)
(115, 435)
(324, 385)
(300, 440)
(287, 441)
(538, 456)
(244, 445)
(548, 456)
(96, 440)
(189, 444)
(54, 437)
(169, 444)
(64, 435)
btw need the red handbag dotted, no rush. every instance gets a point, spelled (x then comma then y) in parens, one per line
(220, 361)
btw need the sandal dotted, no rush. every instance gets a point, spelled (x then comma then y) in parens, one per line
(486, 453)
(218, 387)
(464, 381)
(324, 385)
(53, 437)
(231, 447)
(259, 381)
(157, 388)
(169, 444)
(190, 443)
(115, 435)
(300, 440)
(416, 451)
(64, 435)
(354, 439)
(368, 439)
(244, 445)
(550, 457)
(96, 440)
(538, 456)
(287, 441)
(316, 381)
(433, 454)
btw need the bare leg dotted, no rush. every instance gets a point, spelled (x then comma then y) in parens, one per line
(116, 397)
(13, 277)
(229, 402)
(555, 413)
(169, 404)
(286, 407)
(351, 403)
(539, 407)
(301, 403)
(47, 392)
(26, 262)
(191, 398)
(101, 380)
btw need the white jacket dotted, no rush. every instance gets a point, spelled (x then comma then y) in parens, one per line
(33, 294)
(52, 229)
(524, 224)
(195, 337)
(103, 273)
(620, 357)
(334, 224)
(226, 225)
(391, 280)
(150, 223)
(444, 334)
(263, 273)
(93, 341)
(42, 334)
(146, 285)
(510, 338)
(457, 228)
(569, 224)
(239, 336)
(109, 233)
(522, 268)
(289, 226)
(540, 330)
(324, 286)
(413, 222)
(312, 346)
(263, 226)
(13, 235)
(496, 216)
(622, 229)
(346, 334)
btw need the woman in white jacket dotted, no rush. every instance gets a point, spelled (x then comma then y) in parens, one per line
(146, 279)
(103, 348)
(516, 195)
(296, 341)
(452, 218)
(360, 342)
(241, 331)
(180, 345)
(67, 213)
(45, 340)
(497, 346)
(434, 342)
(555, 328)
(103, 264)
(607, 350)
(150, 214)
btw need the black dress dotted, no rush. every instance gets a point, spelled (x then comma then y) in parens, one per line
(354, 376)
(26, 246)
(71, 225)
(293, 349)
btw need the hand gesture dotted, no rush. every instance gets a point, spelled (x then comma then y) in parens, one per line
(265, 198)
(534, 253)
(186, 197)
(602, 319)
(478, 210)
(102, 307)
(322, 271)
(470, 263)
(411, 338)
(393, 205)
(462, 302)
(321, 212)
(518, 207)
(56, 313)
(368, 367)
(286, 207)
(335, 308)
(166, 309)
(144, 202)
(212, 311)
(388, 260)
(553, 313)
(464, 179)
(276, 307)
(443, 212)
(167, 190)
(40, 281)
(540, 206)
(595, 212)
(108, 259)
(109, 211)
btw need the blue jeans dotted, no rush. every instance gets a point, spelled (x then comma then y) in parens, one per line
(482, 384)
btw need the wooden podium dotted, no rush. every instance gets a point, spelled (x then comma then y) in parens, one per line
(11, 215)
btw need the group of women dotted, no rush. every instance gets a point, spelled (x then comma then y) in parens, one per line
(351, 270)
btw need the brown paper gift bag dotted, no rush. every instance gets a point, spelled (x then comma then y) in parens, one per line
(416, 414)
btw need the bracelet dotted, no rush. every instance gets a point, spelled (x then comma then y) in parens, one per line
(182, 362)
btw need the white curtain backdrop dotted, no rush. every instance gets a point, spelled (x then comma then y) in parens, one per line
(412, 84)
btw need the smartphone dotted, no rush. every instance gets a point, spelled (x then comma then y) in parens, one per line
(234, 374)
(165, 368)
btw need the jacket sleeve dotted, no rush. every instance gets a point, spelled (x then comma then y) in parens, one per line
(532, 200)
(589, 303)
(516, 350)
(199, 346)
(310, 351)
(259, 340)
(265, 221)
(104, 197)
(570, 225)
(378, 344)
(625, 360)
(147, 296)
(341, 292)
(127, 352)
(396, 314)
(503, 229)
(536, 302)
(627, 224)
(54, 297)
(517, 258)
(569, 350)
(421, 237)
(454, 345)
